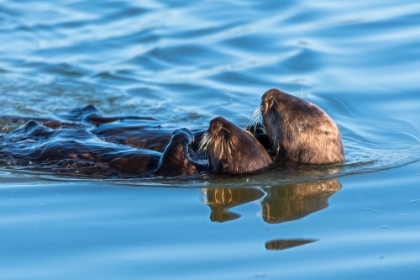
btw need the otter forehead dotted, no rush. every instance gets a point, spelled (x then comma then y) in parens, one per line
(272, 93)
(275, 101)
(220, 123)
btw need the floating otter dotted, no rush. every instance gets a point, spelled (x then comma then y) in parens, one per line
(133, 131)
(232, 150)
(298, 130)
(77, 150)
(141, 134)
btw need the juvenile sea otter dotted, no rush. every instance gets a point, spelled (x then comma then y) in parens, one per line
(298, 130)
(232, 150)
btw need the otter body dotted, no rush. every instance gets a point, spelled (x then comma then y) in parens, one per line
(300, 131)
(77, 150)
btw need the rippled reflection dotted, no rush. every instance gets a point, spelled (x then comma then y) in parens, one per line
(280, 203)
(221, 199)
(292, 202)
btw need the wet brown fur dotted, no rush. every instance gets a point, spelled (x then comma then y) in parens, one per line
(299, 130)
(77, 150)
(231, 150)
(175, 160)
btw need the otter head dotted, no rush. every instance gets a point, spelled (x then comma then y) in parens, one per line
(232, 150)
(269, 111)
(298, 130)
(175, 160)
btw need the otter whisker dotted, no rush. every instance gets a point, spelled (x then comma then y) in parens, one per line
(255, 119)
(256, 116)
(204, 143)
(203, 139)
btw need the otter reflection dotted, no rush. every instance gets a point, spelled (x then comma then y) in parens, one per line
(281, 203)
(283, 244)
(221, 199)
(292, 202)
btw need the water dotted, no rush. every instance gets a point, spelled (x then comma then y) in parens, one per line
(185, 63)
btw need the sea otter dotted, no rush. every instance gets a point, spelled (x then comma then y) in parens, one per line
(133, 131)
(232, 150)
(298, 130)
(77, 150)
